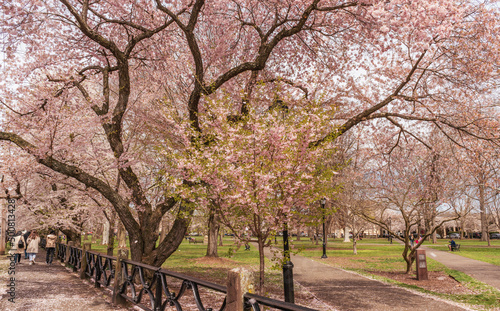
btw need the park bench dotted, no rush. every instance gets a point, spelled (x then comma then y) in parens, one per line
(192, 240)
(456, 248)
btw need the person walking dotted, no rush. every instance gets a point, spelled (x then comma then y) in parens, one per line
(32, 249)
(50, 247)
(18, 244)
(26, 234)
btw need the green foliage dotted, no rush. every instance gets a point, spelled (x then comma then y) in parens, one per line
(230, 252)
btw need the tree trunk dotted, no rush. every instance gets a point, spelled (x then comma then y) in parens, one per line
(164, 228)
(72, 235)
(346, 235)
(261, 264)
(94, 236)
(111, 234)
(121, 234)
(221, 236)
(482, 208)
(408, 256)
(105, 233)
(213, 230)
(434, 234)
(354, 245)
(143, 242)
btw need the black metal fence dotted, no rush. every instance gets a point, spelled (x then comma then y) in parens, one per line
(100, 267)
(152, 288)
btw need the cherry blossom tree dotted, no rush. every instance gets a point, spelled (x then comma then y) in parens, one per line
(409, 183)
(480, 165)
(257, 172)
(83, 79)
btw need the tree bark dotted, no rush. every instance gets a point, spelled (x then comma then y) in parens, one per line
(261, 263)
(121, 234)
(213, 229)
(298, 234)
(408, 255)
(105, 233)
(111, 234)
(221, 237)
(482, 209)
(346, 235)
(72, 235)
(164, 228)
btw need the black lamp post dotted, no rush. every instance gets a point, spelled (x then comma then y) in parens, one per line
(323, 202)
(287, 268)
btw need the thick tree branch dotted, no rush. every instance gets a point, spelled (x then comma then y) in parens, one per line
(362, 116)
(77, 173)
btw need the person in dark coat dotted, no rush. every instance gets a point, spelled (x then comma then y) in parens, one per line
(26, 234)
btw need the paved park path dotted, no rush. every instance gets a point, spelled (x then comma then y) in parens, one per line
(41, 287)
(346, 291)
(482, 271)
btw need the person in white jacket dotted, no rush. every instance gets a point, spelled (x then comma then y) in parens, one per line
(32, 249)
(50, 247)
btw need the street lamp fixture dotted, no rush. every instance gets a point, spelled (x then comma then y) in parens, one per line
(323, 202)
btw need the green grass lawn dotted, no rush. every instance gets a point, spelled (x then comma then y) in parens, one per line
(474, 249)
(372, 254)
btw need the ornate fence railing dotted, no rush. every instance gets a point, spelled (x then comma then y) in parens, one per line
(256, 301)
(75, 257)
(61, 251)
(160, 291)
(153, 288)
(101, 268)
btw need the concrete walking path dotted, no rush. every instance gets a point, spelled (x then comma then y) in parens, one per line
(482, 271)
(43, 287)
(350, 291)
(346, 291)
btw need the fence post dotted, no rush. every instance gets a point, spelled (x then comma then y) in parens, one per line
(61, 258)
(119, 277)
(238, 284)
(159, 291)
(83, 270)
(68, 251)
(97, 276)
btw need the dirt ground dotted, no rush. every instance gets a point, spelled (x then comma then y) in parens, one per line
(438, 282)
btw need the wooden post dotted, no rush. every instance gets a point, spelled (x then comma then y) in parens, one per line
(238, 284)
(119, 277)
(83, 270)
